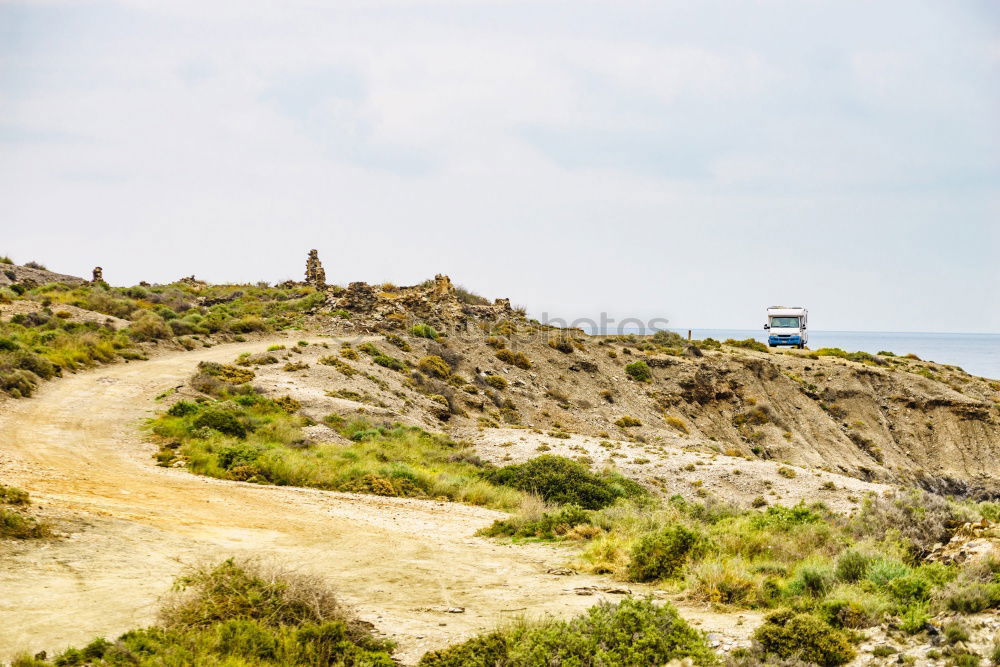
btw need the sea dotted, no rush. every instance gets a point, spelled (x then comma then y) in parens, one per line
(976, 354)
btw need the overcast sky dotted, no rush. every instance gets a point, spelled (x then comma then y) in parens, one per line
(696, 161)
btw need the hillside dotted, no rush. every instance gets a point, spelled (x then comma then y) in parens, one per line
(444, 461)
(504, 378)
(877, 418)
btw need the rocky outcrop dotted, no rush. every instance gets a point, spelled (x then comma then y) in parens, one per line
(434, 302)
(32, 276)
(98, 276)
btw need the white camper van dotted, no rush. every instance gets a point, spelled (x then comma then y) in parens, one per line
(786, 325)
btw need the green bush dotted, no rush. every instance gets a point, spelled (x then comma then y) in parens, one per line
(424, 331)
(518, 359)
(182, 409)
(852, 565)
(241, 614)
(21, 526)
(639, 371)
(239, 454)
(549, 526)
(496, 381)
(662, 555)
(392, 363)
(972, 597)
(393, 339)
(632, 632)
(862, 357)
(804, 636)
(10, 495)
(747, 343)
(561, 480)
(147, 325)
(434, 366)
(369, 349)
(561, 343)
(223, 420)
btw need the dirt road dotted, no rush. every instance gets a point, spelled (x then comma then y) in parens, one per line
(131, 526)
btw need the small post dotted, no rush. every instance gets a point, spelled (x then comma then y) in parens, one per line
(689, 334)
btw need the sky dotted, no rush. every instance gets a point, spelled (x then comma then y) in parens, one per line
(688, 161)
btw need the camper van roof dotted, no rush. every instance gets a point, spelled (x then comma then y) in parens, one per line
(786, 308)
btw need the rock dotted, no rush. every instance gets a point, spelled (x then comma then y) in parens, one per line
(98, 275)
(315, 275)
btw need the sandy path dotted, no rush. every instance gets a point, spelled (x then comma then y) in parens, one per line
(131, 526)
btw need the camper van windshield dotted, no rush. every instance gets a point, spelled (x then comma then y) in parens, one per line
(784, 323)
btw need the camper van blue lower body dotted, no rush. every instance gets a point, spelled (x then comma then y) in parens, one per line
(784, 340)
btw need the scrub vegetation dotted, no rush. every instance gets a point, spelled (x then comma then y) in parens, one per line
(632, 632)
(824, 575)
(15, 522)
(242, 435)
(239, 614)
(41, 345)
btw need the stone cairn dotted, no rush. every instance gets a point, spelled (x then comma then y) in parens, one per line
(315, 275)
(98, 275)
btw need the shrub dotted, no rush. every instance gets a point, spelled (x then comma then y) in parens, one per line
(514, 358)
(561, 343)
(561, 480)
(393, 339)
(434, 366)
(662, 555)
(852, 565)
(243, 614)
(10, 495)
(747, 343)
(627, 422)
(813, 580)
(369, 349)
(341, 365)
(36, 265)
(149, 326)
(182, 409)
(4, 259)
(804, 636)
(496, 381)
(227, 373)
(549, 525)
(391, 363)
(678, 424)
(921, 519)
(20, 526)
(222, 420)
(639, 371)
(239, 454)
(861, 357)
(971, 597)
(424, 331)
(786, 472)
(631, 632)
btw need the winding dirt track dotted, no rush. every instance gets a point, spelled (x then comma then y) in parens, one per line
(131, 526)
